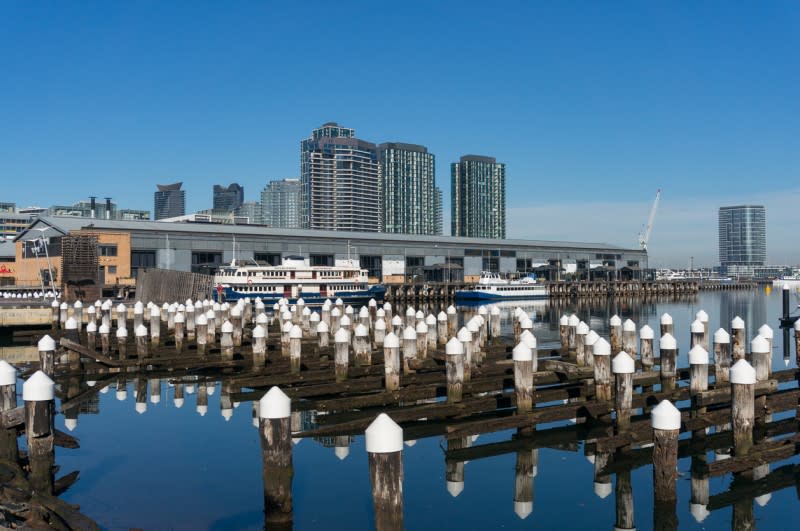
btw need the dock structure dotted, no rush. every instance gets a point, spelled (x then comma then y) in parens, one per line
(626, 413)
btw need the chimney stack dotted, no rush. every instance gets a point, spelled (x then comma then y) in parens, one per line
(92, 206)
(108, 208)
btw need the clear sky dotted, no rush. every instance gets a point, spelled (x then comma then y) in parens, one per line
(592, 106)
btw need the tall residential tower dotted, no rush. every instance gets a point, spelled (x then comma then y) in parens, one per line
(340, 181)
(280, 204)
(409, 188)
(169, 201)
(228, 198)
(478, 188)
(742, 238)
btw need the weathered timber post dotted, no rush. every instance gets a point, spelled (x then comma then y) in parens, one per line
(475, 329)
(602, 370)
(738, 339)
(138, 314)
(141, 395)
(615, 334)
(431, 323)
(646, 347)
(305, 320)
(226, 340)
(454, 365)
(767, 333)
(452, 321)
(411, 319)
(623, 367)
(668, 350)
(698, 370)
(155, 325)
(47, 354)
(384, 442)
(105, 341)
(141, 341)
(77, 313)
(275, 432)
(524, 473)
(259, 346)
(55, 313)
(743, 379)
(391, 361)
(702, 316)
(295, 346)
(91, 335)
(236, 321)
(211, 327)
(666, 422)
(441, 328)
(91, 315)
(422, 340)
(191, 328)
(409, 348)
(465, 337)
(336, 318)
(172, 309)
(122, 316)
(580, 343)
(563, 332)
(698, 504)
(180, 324)
(122, 343)
(523, 377)
(572, 332)
(326, 313)
(8, 401)
(38, 392)
(760, 353)
(722, 355)
(106, 313)
(397, 326)
(623, 498)
(285, 329)
(629, 338)
(667, 326)
(202, 399)
(341, 353)
(697, 333)
(588, 347)
(64, 314)
(494, 322)
(202, 333)
(322, 335)
(380, 332)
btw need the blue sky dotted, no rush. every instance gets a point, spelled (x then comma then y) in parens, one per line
(592, 106)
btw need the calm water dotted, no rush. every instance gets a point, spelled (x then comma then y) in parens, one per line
(171, 468)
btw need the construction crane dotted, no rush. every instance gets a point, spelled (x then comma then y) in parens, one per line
(644, 236)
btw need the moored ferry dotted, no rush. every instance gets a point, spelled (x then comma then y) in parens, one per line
(491, 287)
(294, 279)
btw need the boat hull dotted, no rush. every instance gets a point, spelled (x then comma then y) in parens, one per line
(376, 292)
(475, 295)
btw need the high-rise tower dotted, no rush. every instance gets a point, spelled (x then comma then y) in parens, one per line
(478, 188)
(228, 198)
(169, 201)
(408, 177)
(742, 238)
(280, 204)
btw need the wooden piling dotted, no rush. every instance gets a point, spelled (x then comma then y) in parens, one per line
(454, 366)
(722, 355)
(202, 333)
(702, 316)
(38, 392)
(295, 347)
(623, 497)
(668, 350)
(9, 449)
(588, 347)
(409, 349)
(697, 331)
(323, 339)
(629, 338)
(422, 340)
(155, 326)
(563, 333)
(47, 354)
(580, 343)
(666, 422)
(391, 361)
(341, 353)
(452, 321)
(105, 341)
(91, 335)
(615, 334)
(743, 379)
(465, 337)
(191, 328)
(226, 341)
(384, 442)
(623, 366)
(523, 377)
(433, 333)
(646, 347)
(494, 322)
(122, 343)
(141, 342)
(236, 321)
(738, 339)
(667, 326)
(767, 333)
(442, 325)
(572, 332)
(602, 370)
(275, 433)
(180, 324)
(524, 474)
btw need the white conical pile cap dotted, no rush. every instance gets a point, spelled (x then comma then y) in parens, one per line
(383, 436)
(91, 310)
(276, 307)
(181, 308)
(71, 324)
(526, 323)
(236, 311)
(410, 443)
(141, 407)
(274, 405)
(397, 320)
(573, 320)
(55, 304)
(667, 342)
(737, 323)
(64, 306)
(495, 310)
(622, 363)
(121, 308)
(422, 328)
(666, 319)
(226, 413)
(259, 331)
(409, 333)
(419, 315)
(646, 332)
(380, 324)
(601, 348)
(106, 304)
(763, 500)
(217, 307)
(483, 311)
(202, 410)
(296, 332)
(180, 318)
(391, 341)
(122, 333)
(441, 316)
(759, 345)
(615, 320)
(411, 312)
(430, 320)
(528, 338)
(345, 322)
(766, 331)
(473, 326)
(698, 327)
(563, 321)
(464, 335)
(91, 327)
(306, 312)
(523, 509)
(287, 326)
(263, 319)
(522, 352)
(38, 388)
(341, 452)
(628, 326)
(742, 373)
(699, 511)
(155, 311)
(722, 336)
(178, 402)
(797, 325)
(104, 329)
(8, 374)
(140, 331)
(451, 310)
(201, 319)
(582, 329)
(591, 338)
(46, 344)
(78, 304)
(341, 336)
(701, 316)
(698, 356)
(156, 398)
(287, 316)
(454, 347)
(387, 306)
(300, 302)
(372, 303)
(380, 312)
(602, 490)
(71, 424)
(322, 327)
(455, 488)
(122, 395)
(665, 416)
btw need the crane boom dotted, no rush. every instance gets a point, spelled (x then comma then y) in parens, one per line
(644, 236)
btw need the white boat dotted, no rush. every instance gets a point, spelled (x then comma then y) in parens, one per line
(294, 279)
(792, 281)
(491, 287)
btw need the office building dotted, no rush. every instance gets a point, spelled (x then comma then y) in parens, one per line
(742, 238)
(340, 181)
(280, 204)
(228, 198)
(478, 188)
(169, 201)
(248, 213)
(408, 178)
(437, 207)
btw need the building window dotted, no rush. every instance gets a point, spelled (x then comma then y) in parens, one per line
(106, 250)
(112, 270)
(272, 259)
(373, 265)
(321, 260)
(206, 262)
(142, 259)
(415, 261)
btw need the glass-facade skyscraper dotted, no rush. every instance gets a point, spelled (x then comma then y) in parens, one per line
(228, 198)
(742, 237)
(478, 188)
(169, 201)
(280, 204)
(409, 188)
(340, 181)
